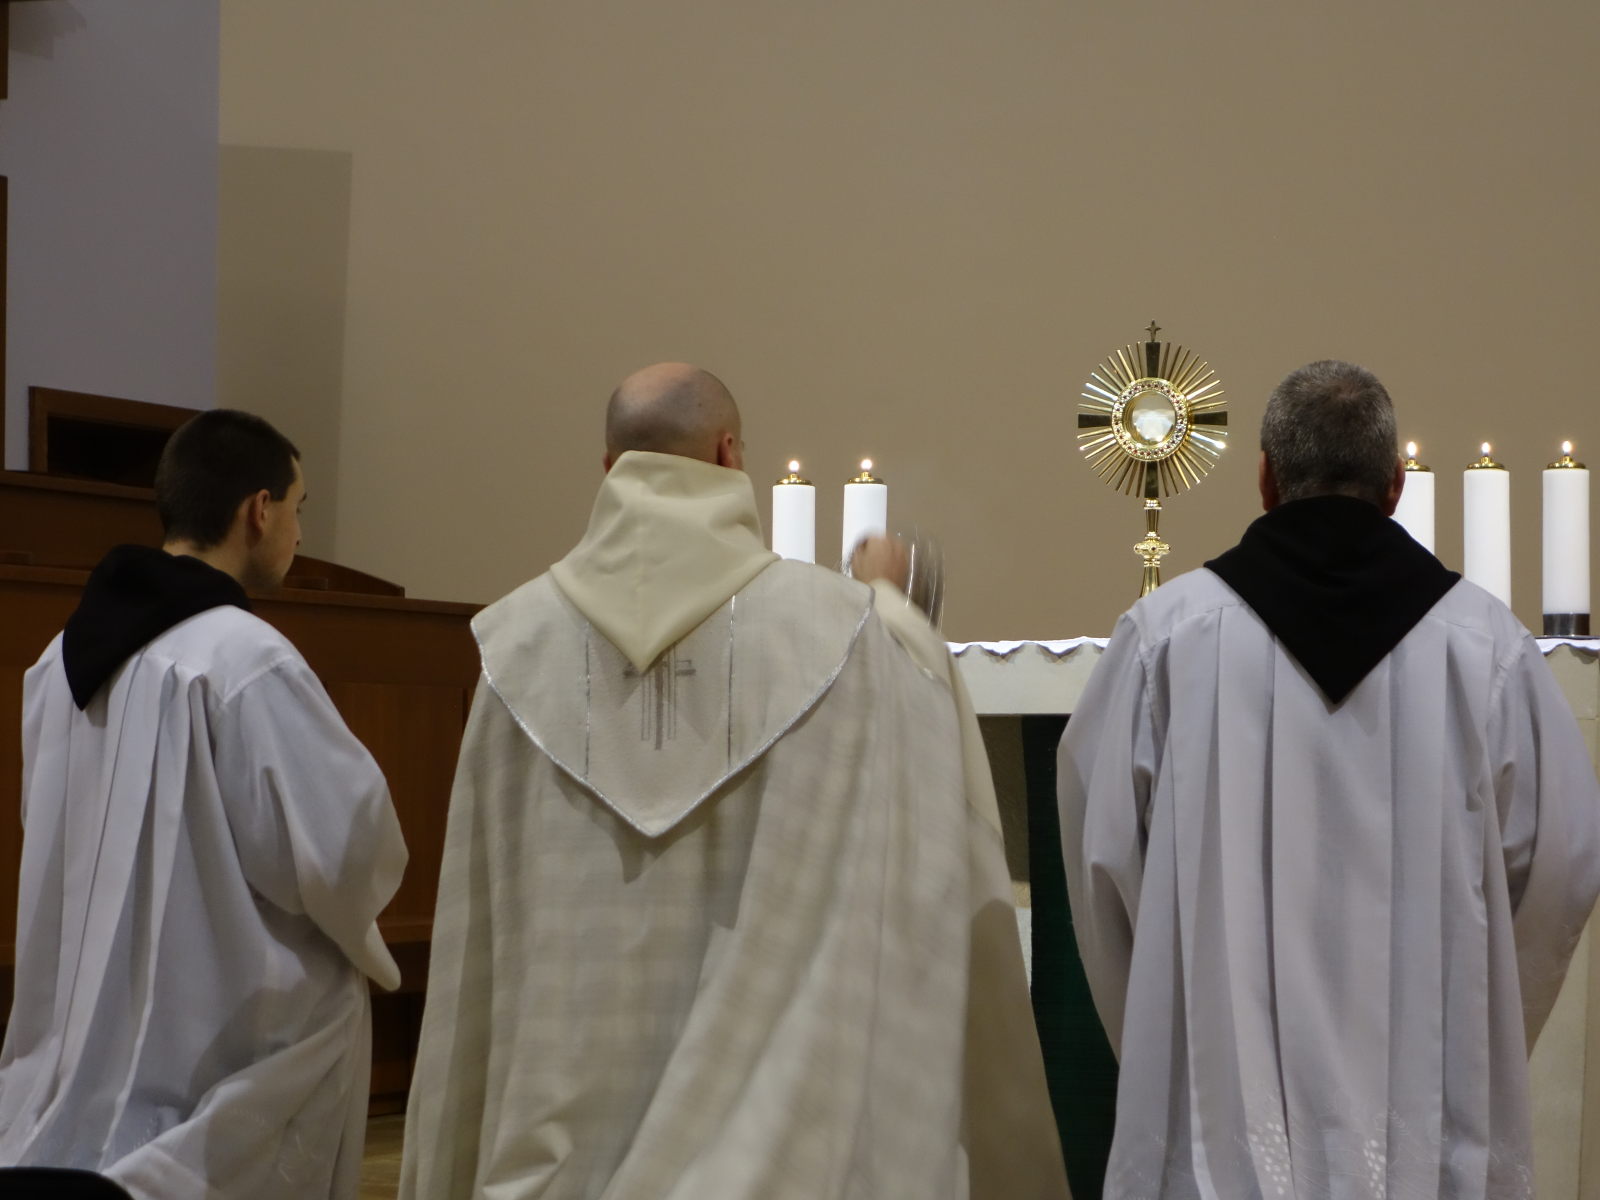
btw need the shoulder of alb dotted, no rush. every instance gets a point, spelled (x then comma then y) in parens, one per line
(1194, 595)
(1476, 611)
(232, 648)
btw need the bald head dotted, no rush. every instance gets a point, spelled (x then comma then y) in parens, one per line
(674, 408)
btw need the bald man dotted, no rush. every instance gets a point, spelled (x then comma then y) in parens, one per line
(674, 408)
(724, 913)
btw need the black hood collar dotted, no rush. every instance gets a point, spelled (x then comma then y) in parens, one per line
(1338, 583)
(134, 596)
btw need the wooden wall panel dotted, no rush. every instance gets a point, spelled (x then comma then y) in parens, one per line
(414, 730)
(50, 522)
(34, 605)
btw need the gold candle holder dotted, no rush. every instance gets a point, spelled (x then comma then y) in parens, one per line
(1485, 461)
(1566, 462)
(866, 475)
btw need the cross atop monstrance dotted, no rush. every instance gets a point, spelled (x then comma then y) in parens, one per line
(1153, 424)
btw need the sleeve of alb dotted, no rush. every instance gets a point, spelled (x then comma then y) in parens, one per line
(310, 811)
(1104, 773)
(1548, 805)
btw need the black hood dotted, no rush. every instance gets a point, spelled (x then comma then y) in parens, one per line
(1338, 583)
(134, 596)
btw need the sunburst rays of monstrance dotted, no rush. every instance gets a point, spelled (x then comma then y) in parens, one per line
(1153, 423)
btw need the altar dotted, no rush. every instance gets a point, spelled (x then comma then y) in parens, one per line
(1024, 692)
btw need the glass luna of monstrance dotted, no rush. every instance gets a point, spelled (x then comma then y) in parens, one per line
(1152, 423)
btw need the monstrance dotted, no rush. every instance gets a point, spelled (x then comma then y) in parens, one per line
(1153, 423)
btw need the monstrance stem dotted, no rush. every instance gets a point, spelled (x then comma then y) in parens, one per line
(1151, 549)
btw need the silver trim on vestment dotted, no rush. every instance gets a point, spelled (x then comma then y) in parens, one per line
(588, 692)
(733, 602)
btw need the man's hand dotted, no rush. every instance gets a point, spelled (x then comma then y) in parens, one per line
(886, 558)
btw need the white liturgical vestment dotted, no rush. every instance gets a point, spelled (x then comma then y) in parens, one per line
(206, 850)
(720, 914)
(1323, 937)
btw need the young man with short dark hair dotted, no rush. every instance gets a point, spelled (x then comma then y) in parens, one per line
(206, 850)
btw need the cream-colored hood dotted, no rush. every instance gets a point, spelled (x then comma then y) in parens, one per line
(670, 539)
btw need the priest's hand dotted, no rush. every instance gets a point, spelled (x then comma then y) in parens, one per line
(886, 558)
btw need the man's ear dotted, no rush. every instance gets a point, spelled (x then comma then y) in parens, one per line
(255, 516)
(728, 452)
(1397, 484)
(1268, 483)
(605, 464)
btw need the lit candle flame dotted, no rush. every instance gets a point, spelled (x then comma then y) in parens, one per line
(1411, 449)
(1486, 449)
(794, 466)
(866, 464)
(1566, 447)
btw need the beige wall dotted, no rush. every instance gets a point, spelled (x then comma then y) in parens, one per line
(281, 266)
(909, 230)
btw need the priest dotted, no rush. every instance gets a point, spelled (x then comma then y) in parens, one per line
(1331, 835)
(723, 909)
(206, 847)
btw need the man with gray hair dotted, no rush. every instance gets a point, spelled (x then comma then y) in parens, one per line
(1331, 834)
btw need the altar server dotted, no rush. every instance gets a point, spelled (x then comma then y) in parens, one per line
(1331, 835)
(206, 848)
(724, 911)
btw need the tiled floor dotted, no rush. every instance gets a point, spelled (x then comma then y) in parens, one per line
(380, 1168)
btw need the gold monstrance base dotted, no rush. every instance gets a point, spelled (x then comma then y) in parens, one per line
(1153, 423)
(1151, 549)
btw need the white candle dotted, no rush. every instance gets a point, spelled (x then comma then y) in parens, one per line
(1486, 526)
(866, 511)
(1415, 510)
(1566, 545)
(794, 517)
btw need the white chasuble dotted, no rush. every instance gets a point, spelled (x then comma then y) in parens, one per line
(206, 850)
(717, 926)
(1323, 937)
